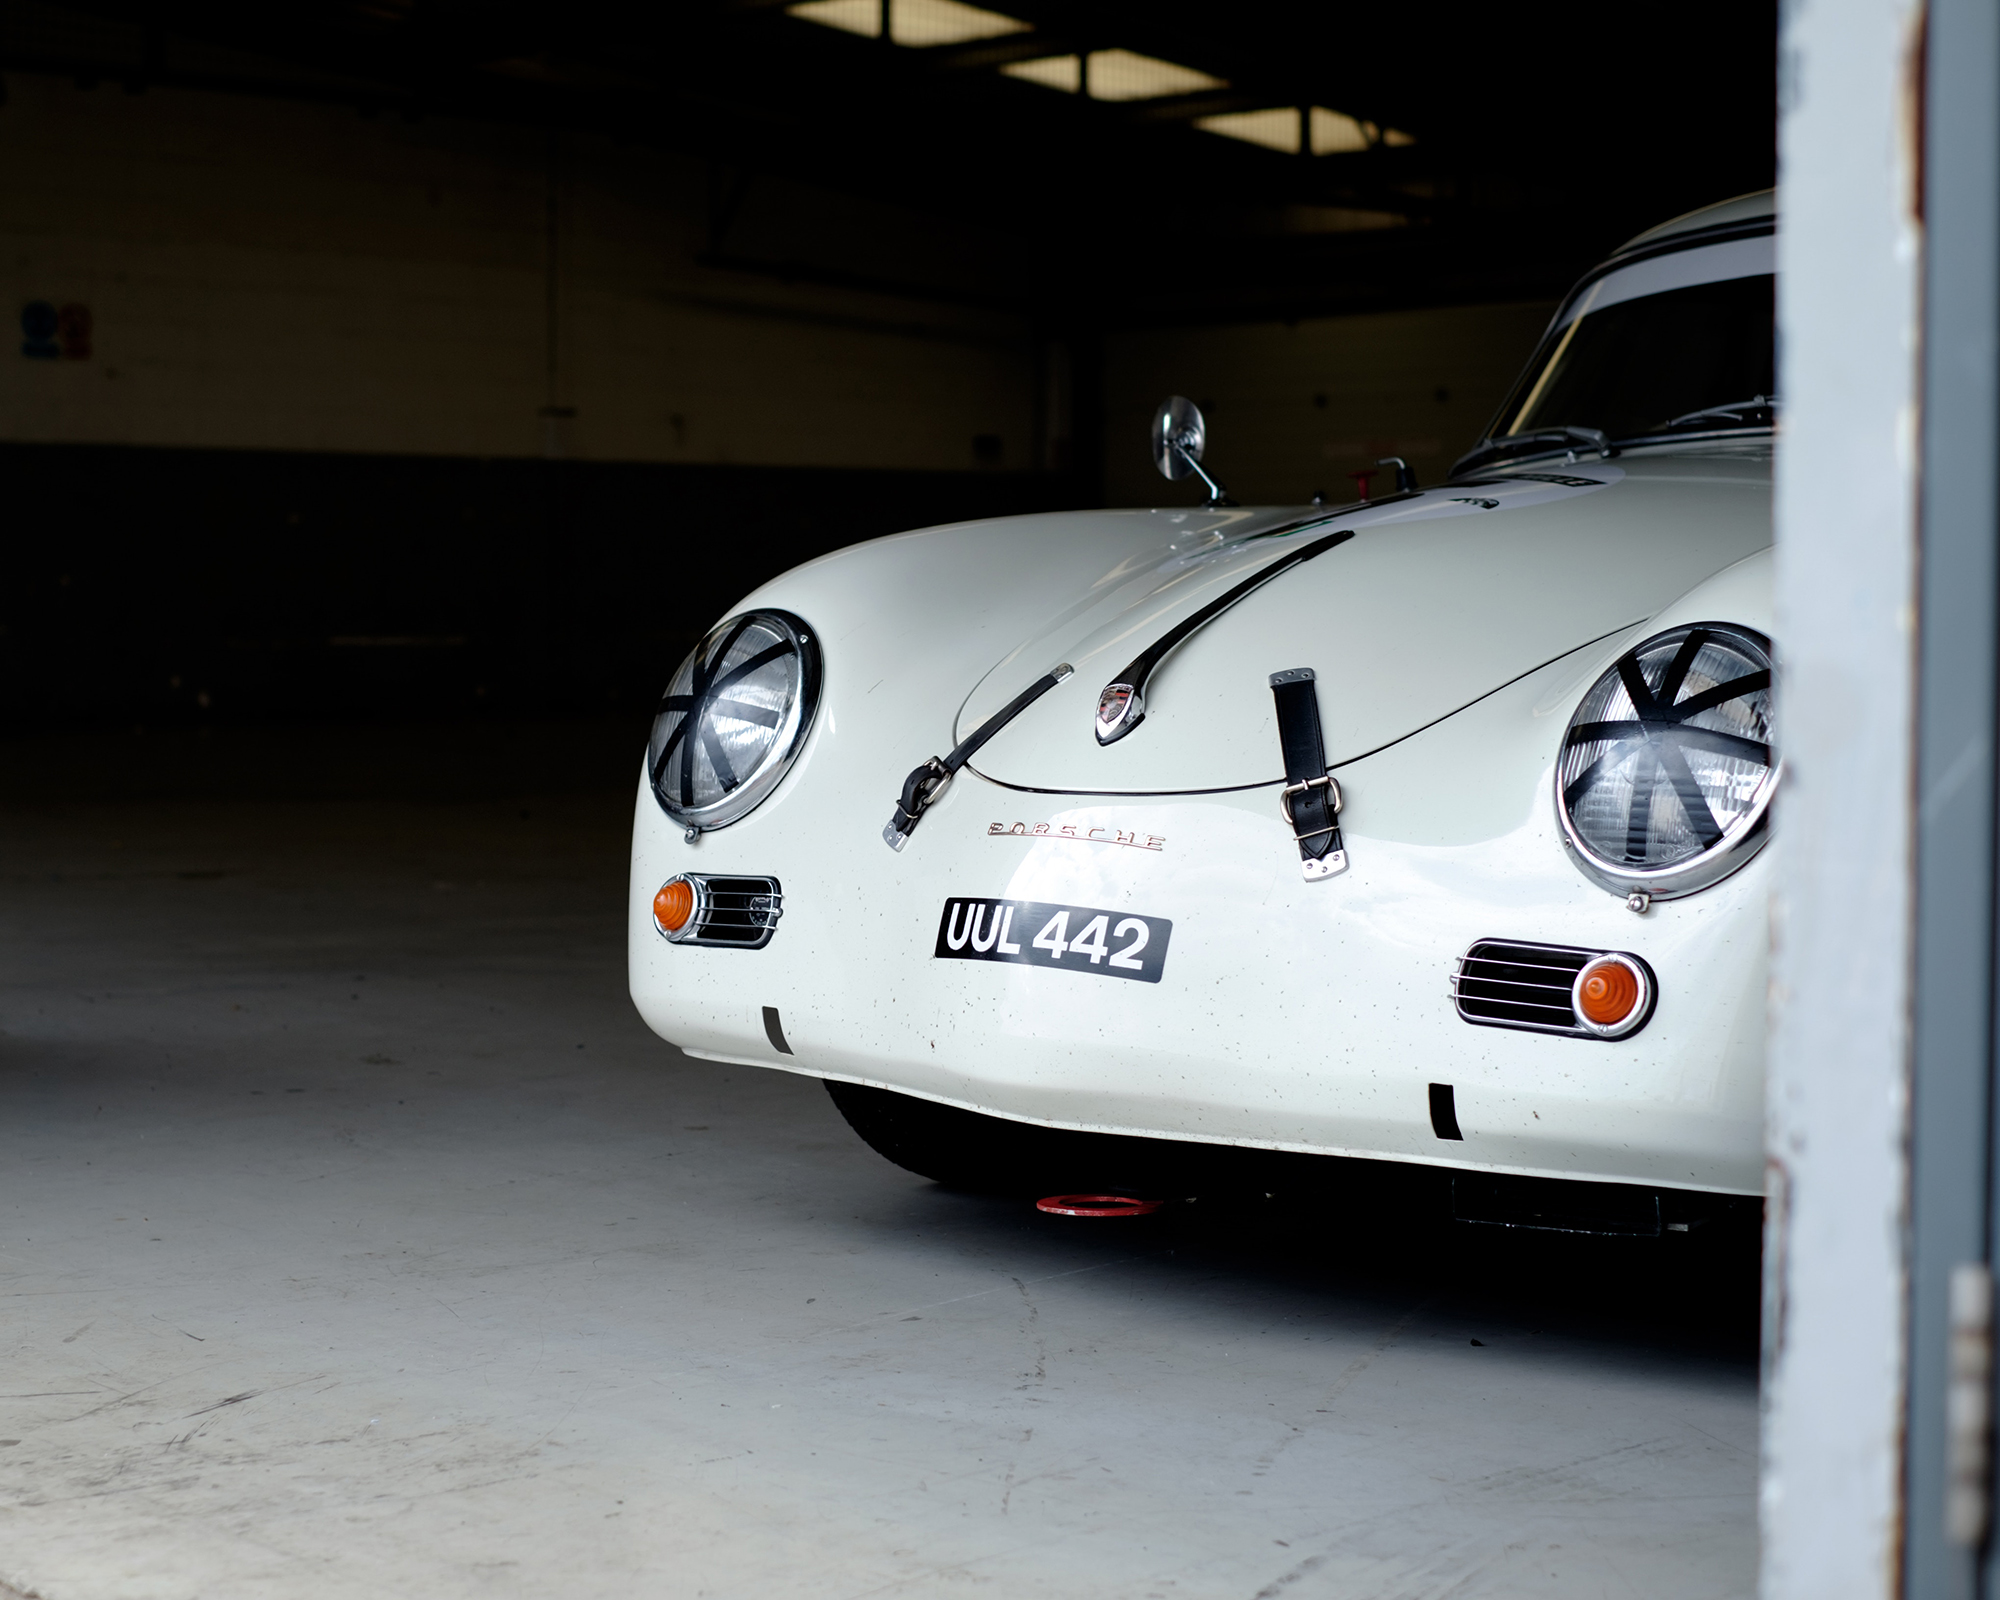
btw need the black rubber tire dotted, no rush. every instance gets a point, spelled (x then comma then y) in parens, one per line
(968, 1150)
(992, 1155)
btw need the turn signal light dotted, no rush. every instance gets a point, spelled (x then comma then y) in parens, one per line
(1611, 995)
(707, 908)
(673, 905)
(1607, 994)
(1551, 988)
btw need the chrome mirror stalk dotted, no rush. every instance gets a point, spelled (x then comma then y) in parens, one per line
(1179, 435)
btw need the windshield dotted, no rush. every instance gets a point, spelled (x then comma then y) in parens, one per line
(1679, 343)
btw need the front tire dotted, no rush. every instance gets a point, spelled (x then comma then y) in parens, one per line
(969, 1150)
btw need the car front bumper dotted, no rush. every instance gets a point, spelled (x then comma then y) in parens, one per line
(1288, 1015)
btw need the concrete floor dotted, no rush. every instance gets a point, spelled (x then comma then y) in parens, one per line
(359, 1241)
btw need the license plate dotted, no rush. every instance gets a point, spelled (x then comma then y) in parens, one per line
(1032, 933)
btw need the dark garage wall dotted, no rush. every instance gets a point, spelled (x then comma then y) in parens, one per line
(381, 417)
(159, 585)
(264, 274)
(378, 417)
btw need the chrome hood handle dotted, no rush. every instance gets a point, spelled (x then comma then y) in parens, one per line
(1122, 705)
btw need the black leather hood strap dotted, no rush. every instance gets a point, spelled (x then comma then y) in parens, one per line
(924, 784)
(1310, 799)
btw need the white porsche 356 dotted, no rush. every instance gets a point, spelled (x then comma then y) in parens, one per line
(1422, 830)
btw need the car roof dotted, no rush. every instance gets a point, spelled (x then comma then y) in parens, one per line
(1744, 208)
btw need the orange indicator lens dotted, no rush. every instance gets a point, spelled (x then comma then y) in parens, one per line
(1607, 992)
(674, 904)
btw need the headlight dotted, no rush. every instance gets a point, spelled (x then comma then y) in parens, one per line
(734, 719)
(1667, 769)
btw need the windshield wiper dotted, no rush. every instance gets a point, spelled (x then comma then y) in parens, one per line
(1761, 412)
(1536, 441)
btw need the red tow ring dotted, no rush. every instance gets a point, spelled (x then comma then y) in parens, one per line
(1096, 1205)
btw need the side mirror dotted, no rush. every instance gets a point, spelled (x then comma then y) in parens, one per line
(1178, 438)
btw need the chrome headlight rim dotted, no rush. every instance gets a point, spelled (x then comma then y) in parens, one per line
(796, 639)
(1740, 842)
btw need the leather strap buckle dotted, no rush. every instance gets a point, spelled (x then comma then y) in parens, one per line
(1335, 804)
(929, 787)
(924, 784)
(1310, 801)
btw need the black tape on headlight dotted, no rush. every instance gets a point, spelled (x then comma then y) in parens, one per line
(734, 719)
(1665, 779)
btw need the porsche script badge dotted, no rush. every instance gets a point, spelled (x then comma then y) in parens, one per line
(1078, 832)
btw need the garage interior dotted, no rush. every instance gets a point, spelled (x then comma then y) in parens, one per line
(403, 388)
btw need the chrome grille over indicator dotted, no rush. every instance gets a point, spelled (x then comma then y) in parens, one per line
(711, 909)
(1554, 988)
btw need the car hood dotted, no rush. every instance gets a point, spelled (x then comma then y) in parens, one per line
(1439, 599)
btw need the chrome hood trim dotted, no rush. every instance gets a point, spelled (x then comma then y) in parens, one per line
(1441, 598)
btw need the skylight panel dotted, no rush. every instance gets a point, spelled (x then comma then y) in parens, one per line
(1332, 132)
(1113, 75)
(1051, 72)
(911, 22)
(925, 22)
(1275, 130)
(850, 16)
(1126, 75)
